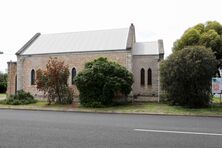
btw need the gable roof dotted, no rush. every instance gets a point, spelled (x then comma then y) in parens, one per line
(100, 40)
(148, 48)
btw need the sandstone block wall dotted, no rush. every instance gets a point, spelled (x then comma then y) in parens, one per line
(22, 70)
(146, 62)
(76, 60)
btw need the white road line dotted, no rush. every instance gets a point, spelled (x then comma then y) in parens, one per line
(178, 132)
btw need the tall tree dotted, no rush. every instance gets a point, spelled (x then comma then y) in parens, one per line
(208, 35)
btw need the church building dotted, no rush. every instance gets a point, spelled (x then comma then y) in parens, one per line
(77, 48)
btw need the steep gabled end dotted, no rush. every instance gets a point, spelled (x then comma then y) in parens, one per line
(28, 44)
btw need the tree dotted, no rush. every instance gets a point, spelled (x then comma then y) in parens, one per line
(208, 35)
(186, 76)
(3, 82)
(101, 81)
(53, 82)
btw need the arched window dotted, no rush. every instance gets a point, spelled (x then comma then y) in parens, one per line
(149, 78)
(142, 77)
(33, 77)
(73, 75)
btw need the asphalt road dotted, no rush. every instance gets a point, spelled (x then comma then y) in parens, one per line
(45, 129)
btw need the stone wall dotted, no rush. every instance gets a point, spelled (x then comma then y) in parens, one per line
(76, 60)
(133, 63)
(12, 73)
(146, 62)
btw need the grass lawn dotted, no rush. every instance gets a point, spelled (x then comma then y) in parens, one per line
(217, 100)
(2, 96)
(147, 107)
(161, 108)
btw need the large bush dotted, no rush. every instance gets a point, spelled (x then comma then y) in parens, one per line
(186, 76)
(53, 81)
(20, 98)
(101, 81)
(3, 83)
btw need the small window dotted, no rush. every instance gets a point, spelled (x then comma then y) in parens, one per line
(33, 77)
(142, 77)
(149, 79)
(73, 75)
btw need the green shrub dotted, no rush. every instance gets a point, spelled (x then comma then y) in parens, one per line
(20, 98)
(101, 81)
(2, 101)
(164, 97)
(186, 76)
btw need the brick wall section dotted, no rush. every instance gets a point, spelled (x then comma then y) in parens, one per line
(11, 84)
(76, 60)
(146, 62)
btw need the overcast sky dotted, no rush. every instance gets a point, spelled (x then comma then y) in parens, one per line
(153, 19)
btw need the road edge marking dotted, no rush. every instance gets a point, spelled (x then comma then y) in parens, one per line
(178, 132)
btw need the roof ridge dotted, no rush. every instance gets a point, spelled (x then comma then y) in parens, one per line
(86, 31)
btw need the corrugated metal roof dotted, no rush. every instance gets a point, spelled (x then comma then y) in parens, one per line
(100, 40)
(145, 48)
